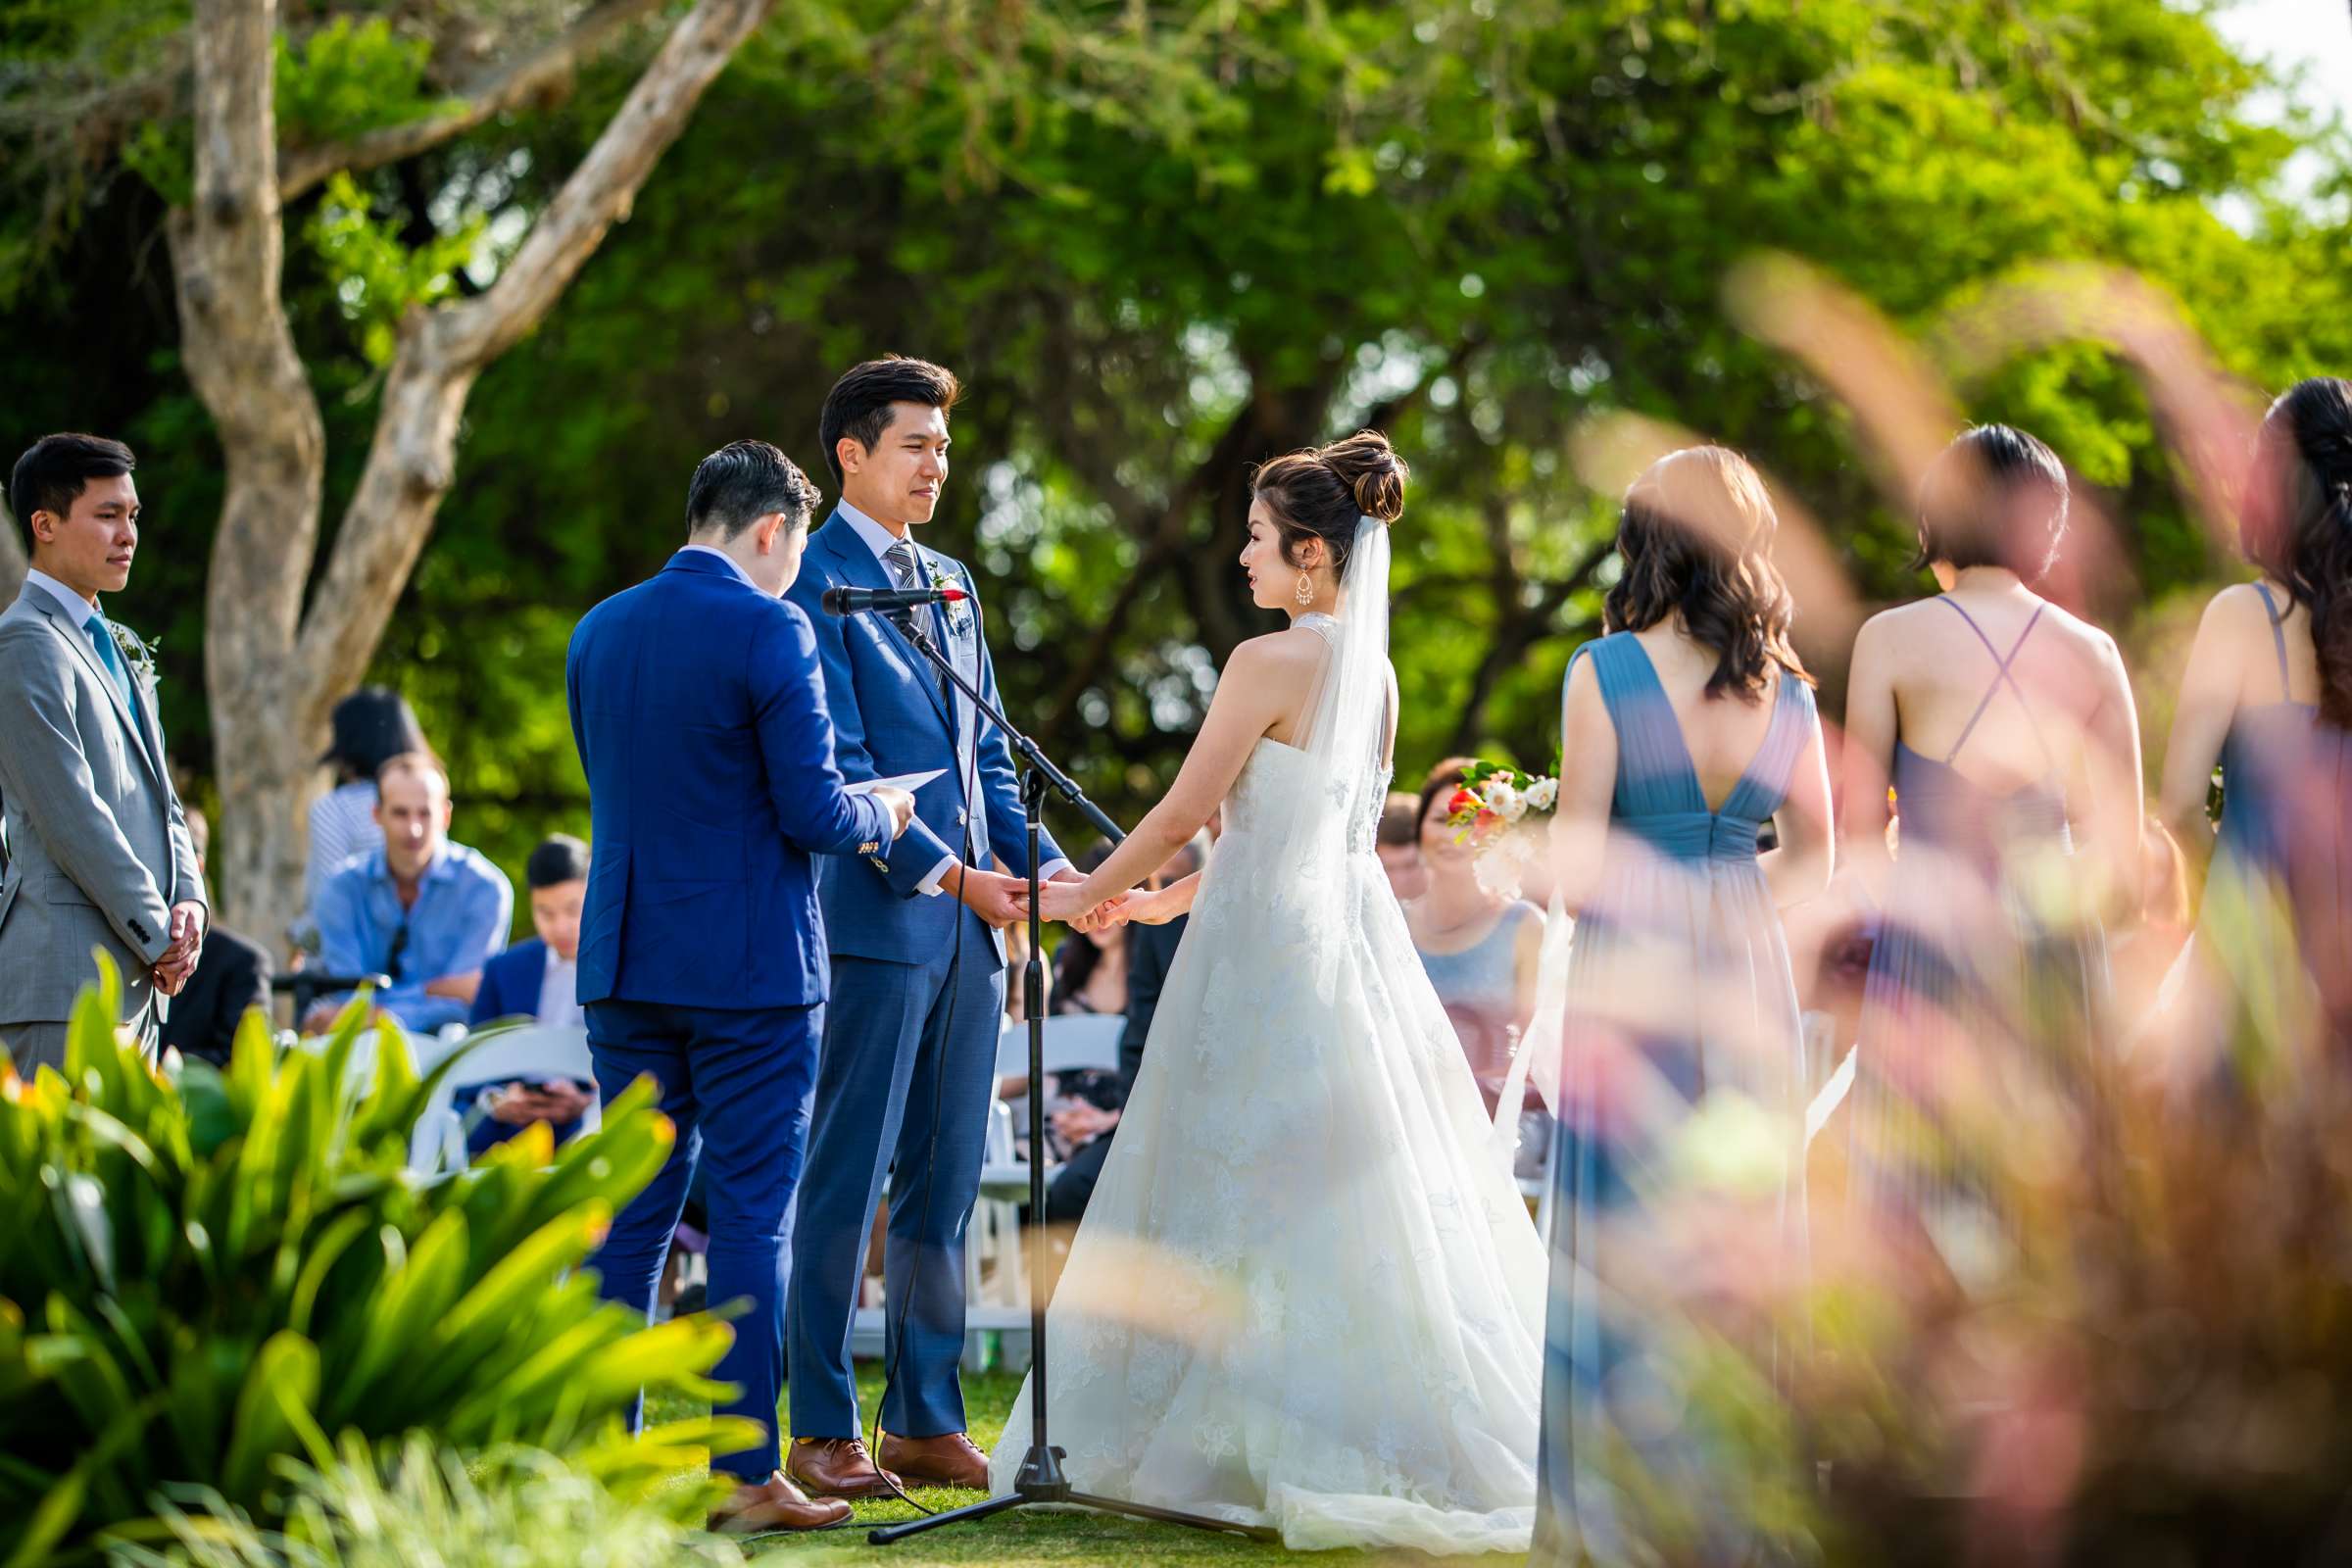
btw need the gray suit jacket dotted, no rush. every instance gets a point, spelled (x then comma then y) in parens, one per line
(98, 847)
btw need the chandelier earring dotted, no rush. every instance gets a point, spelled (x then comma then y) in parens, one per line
(1307, 590)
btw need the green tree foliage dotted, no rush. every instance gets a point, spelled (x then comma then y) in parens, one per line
(1162, 242)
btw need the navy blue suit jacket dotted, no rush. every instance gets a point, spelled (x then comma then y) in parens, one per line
(510, 983)
(890, 718)
(700, 714)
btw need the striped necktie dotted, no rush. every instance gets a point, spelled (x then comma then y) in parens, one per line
(900, 557)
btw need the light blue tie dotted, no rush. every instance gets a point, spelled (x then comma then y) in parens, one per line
(108, 653)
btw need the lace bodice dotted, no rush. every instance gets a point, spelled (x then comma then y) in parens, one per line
(1273, 771)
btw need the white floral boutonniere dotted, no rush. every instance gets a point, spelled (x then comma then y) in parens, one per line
(138, 657)
(957, 611)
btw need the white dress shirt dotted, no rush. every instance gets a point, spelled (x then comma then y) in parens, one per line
(966, 655)
(733, 564)
(76, 607)
(559, 994)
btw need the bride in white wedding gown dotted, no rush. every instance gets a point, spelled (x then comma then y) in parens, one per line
(1307, 1295)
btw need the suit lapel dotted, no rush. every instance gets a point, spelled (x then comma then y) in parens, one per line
(857, 563)
(81, 644)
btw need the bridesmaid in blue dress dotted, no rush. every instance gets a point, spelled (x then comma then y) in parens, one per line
(2268, 695)
(1685, 729)
(2006, 729)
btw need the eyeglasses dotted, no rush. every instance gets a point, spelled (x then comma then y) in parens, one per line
(400, 944)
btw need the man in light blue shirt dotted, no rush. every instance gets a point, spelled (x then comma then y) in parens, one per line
(425, 910)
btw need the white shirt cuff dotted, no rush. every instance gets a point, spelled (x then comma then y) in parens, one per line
(930, 885)
(1053, 868)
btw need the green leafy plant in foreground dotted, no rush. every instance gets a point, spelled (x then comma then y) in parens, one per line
(519, 1507)
(206, 1272)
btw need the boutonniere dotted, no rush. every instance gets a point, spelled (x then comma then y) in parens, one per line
(957, 611)
(138, 656)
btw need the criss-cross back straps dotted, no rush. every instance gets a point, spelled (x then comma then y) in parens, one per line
(2277, 635)
(2001, 676)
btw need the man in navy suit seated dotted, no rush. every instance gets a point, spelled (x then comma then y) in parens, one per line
(536, 979)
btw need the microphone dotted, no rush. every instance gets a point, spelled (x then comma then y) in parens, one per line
(855, 601)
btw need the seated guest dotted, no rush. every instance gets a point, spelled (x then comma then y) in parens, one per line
(1481, 950)
(1089, 968)
(370, 728)
(422, 909)
(1399, 846)
(231, 975)
(536, 979)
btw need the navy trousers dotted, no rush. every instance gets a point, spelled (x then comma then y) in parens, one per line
(737, 1084)
(903, 1091)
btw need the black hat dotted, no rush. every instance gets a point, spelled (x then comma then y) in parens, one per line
(371, 725)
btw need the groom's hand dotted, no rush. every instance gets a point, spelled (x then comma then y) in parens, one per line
(997, 899)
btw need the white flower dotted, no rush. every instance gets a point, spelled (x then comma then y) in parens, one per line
(1543, 793)
(138, 655)
(1505, 802)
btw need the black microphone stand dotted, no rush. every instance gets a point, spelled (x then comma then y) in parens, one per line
(1039, 1478)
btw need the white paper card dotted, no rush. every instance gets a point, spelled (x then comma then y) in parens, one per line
(910, 782)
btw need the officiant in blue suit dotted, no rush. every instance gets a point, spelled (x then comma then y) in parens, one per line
(919, 961)
(699, 713)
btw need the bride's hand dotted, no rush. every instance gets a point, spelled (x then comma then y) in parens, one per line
(1150, 908)
(1062, 900)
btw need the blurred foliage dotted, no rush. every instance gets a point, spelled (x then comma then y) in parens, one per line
(1162, 242)
(210, 1271)
(518, 1507)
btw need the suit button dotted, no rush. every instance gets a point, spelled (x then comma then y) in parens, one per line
(961, 816)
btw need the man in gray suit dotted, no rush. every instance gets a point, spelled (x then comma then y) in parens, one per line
(96, 847)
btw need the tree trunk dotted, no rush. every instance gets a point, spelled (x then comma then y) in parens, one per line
(275, 671)
(12, 556)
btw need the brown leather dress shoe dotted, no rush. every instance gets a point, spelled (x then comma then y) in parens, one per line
(775, 1505)
(836, 1467)
(952, 1459)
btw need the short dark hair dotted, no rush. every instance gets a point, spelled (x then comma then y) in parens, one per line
(55, 468)
(1400, 818)
(1996, 496)
(558, 860)
(858, 406)
(369, 727)
(743, 481)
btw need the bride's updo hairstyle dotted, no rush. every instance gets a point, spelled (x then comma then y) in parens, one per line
(2296, 522)
(1695, 535)
(1319, 492)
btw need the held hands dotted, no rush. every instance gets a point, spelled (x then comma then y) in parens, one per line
(1063, 899)
(172, 971)
(997, 899)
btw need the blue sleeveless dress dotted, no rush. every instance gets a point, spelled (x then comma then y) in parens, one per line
(2273, 914)
(1979, 946)
(1681, 1040)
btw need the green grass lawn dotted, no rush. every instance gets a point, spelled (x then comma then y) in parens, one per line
(1024, 1535)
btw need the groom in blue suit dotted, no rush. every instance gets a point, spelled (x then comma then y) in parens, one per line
(699, 713)
(918, 962)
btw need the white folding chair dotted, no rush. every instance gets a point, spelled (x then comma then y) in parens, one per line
(1072, 1041)
(536, 1050)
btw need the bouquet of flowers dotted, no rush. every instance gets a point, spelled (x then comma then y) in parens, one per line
(1503, 814)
